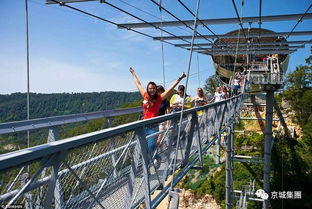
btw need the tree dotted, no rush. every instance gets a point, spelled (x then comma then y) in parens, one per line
(309, 59)
(300, 78)
(299, 92)
(211, 84)
(291, 159)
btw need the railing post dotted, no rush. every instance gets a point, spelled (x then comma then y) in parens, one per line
(54, 186)
(133, 173)
(190, 139)
(145, 161)
(58, 197)
(217, 161)
(130, 183)
(207, 123)
(112, 145)
(53, 134)
(168, 151)
(199, 142)
(215, 120)
(28, 197)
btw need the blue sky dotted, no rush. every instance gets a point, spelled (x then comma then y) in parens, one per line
(72, 52)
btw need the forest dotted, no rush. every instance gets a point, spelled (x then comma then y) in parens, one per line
(291, 167)
(13, 107)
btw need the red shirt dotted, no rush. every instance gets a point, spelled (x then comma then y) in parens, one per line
(150, 110)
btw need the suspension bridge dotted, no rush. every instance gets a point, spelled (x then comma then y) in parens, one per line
(112, 168)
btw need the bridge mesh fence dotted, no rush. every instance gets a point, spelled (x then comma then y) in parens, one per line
(119, 171)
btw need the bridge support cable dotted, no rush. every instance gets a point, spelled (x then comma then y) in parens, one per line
(27, 63)
(28, 81)
(186, 85)
(260, 21)
(174, 16)
(108, 21)
(132, 15)
(162, 49)
(268, 144)
(299, 20)
(203, 24)
(238, 37)
(183, 23)
(239, 18)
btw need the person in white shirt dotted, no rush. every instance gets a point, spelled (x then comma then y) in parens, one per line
(236, 86)
(218, 96)
(176, 100)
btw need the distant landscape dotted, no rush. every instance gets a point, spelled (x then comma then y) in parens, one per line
(13, 106)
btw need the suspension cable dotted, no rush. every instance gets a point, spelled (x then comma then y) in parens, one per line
(150, 14)
(205, 26)
(162, 47)
(300, 20)
(27, 64)
(260, 19)
(238, 17)
(238, 37)
(27, 56)
(198, 74)
(111, 22)
(132, 15)
(186, 85)
(170, 13)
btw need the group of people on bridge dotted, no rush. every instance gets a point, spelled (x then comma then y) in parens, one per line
(156, 102)
(225, 92)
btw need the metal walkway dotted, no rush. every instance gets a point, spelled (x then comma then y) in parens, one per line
(111, 168)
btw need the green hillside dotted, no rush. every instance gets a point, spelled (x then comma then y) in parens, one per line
(13, 106)
(291, 167)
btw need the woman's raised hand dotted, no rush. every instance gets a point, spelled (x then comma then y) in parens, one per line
(182, 76)
(131, 70)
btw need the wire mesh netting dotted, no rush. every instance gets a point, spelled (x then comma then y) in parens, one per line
(121, 170)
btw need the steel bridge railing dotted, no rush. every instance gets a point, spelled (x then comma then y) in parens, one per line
(28, 125)
(118, 167)
(267, 79)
